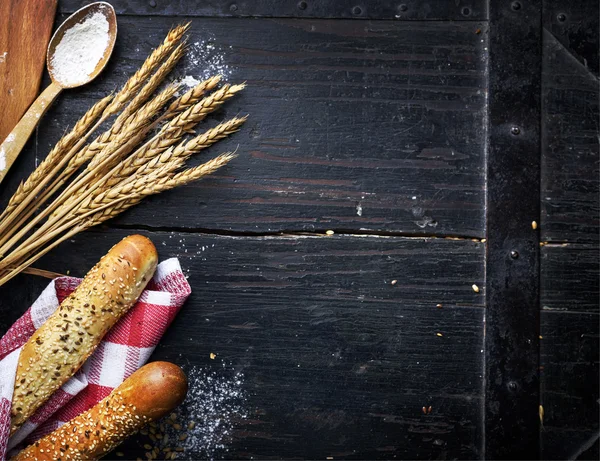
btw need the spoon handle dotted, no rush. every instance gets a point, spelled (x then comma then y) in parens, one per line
(14, 142)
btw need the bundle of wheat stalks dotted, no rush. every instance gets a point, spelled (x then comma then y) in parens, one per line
(119, 167)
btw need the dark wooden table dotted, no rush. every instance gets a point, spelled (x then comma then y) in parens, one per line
(427, 135)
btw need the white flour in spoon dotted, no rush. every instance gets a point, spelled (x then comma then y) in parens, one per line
(80, 50)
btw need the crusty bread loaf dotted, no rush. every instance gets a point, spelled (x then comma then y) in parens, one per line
(61, 345)
(148, 394)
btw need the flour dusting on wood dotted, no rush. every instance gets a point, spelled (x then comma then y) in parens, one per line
(214, 402)
(202, 426)
(203, 60)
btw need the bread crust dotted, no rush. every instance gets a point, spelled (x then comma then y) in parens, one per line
(61, 345)
(148, 394)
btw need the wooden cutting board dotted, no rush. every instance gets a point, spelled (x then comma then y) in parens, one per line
(25, 29)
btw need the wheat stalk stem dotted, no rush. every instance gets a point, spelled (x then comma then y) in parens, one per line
(16, 270)
(42, 273)
(147, 161)
(121, 145)
(55, 160)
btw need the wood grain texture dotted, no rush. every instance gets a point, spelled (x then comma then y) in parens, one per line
(353, 125)
(569, 384)
(25, 28)
(570, 146)
(570, 278)
(575, 25)
(456, 10)
(569, 273)
(336, 360)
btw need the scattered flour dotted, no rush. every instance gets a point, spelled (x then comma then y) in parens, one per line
(188, 82)
(215, 403)
(3, 57)
(80, 50)
(203, 60)
(207, 418)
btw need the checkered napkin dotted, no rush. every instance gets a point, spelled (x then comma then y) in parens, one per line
(125, 348)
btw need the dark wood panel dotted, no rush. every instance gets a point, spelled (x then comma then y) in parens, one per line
(353, 125)
(570, 212)
(570, 148)
(575, 25)
(569, 385)
(512, 256)
(337, 360)
(570, 277)
(332, 9)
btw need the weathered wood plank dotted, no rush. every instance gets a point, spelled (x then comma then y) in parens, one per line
(570, 278)
(575, 24)
(569, 384)
(570, 213)
(337, 360)
(570, 148)
(333, 9)
(353, 124)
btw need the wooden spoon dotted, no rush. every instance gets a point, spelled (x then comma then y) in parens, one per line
(14, 142)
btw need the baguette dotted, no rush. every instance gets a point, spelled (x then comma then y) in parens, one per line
(148, 394)
(62, 344)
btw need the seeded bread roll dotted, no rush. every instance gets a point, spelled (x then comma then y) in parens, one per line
(60, 346)
(148, 394)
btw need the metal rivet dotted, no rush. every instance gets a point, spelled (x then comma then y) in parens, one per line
(466, 11)
(152, 3)
(562, 17)
(516, 6)
(515, 130)
(302, 5)
(357, 10)
(402, 7)
(233, 7)
(514, 254)
(513, 386)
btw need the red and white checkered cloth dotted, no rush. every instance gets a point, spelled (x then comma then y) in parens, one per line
(125, 348)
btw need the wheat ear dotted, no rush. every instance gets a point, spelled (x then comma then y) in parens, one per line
(171, 133)
(135, 82)
(143, 189)
(191, 97)
(153, 159)
(133, 191)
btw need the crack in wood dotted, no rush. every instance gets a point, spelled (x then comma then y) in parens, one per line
(295, 233)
